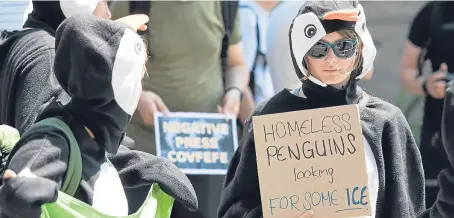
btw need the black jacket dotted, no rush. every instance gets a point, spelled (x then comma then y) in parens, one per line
(27, 80)
(444, 205)
(401, 181)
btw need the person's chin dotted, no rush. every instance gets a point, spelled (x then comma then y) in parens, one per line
(331, 79)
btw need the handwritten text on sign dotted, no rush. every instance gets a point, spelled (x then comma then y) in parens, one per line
(312, 160)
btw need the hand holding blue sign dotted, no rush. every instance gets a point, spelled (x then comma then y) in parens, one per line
(198, 143)
(231, 102)
(149, 105)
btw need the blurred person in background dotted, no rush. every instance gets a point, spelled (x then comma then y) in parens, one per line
(254, 16)
(277, 43)
(186, 76)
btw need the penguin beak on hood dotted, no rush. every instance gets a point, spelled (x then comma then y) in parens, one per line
(49, 14)
(100, 64)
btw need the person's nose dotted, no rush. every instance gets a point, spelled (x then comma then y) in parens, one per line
(330, 57)
(107, 14)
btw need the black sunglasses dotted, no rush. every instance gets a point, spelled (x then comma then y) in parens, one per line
(343, 48)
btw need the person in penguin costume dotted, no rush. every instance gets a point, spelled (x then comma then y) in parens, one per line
(100, 63)
(27, 81)
(331, 49)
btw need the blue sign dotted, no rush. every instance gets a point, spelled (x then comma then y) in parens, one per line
(198, 143)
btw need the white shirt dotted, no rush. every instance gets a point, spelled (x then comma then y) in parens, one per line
(109, 196)
(14, 13)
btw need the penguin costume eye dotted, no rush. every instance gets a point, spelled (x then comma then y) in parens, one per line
(310, 30)
(305, 31)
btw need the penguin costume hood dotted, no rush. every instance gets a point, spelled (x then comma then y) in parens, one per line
(50, 14)
(105, 84)
(319, 18)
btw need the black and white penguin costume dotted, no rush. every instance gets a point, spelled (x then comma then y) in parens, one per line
(100, 64)
(393, 162)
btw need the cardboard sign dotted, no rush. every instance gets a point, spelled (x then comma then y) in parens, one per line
(312, 160)
(198, 143)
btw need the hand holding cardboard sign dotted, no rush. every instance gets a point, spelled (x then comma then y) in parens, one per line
(307, 214)
(319, 157)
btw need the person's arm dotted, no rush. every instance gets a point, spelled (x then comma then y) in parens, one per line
(408, 69)
(237, 75)
(137, 168)
(240, 197)
(46, 156)
(36, 87)
(417, 38)
(247, 105)
(248, 29)
(403, 161)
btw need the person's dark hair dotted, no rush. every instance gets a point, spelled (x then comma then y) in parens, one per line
(351, 34)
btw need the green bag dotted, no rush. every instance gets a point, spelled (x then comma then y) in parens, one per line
(157, 205)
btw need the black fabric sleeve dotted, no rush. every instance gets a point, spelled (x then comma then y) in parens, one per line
(447, 124)
(36, 87)
(420, 27)
(46, 155)
(403, 167)
(444, 205)
(137, 168)
(240, 197)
